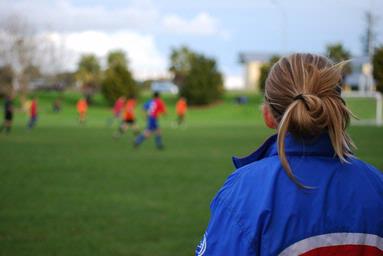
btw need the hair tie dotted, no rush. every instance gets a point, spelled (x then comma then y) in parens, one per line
(300, 97)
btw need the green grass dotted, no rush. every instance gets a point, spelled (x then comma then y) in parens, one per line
(71, 190)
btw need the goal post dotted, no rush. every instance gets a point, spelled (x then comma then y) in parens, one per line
(376, 96)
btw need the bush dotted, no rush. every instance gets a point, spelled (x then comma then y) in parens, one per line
(88, 73)
(117, 80)
(203, 84)
(180, 64)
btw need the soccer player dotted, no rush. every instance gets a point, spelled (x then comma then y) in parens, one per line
(153, 109)
(32, 113)
(56, 105)
(129, 120)
(181, 108)
(303, 192)
(82, 109)
(8, 115)
(117, 109)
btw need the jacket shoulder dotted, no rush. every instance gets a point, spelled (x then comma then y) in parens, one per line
(251, 181)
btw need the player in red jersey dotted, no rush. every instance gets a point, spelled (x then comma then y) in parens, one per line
(129, 119)
(32, 113)
(117, 110)
(154, 108)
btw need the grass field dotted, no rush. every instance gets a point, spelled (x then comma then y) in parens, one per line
(71, 190)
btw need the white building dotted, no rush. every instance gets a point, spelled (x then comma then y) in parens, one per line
(252, 62)
(361, 78)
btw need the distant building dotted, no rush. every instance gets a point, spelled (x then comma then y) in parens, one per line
(360, 79)
(45, 84)
(164, 86)
(252, 62)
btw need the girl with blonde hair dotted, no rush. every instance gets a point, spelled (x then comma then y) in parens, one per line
(303, 192)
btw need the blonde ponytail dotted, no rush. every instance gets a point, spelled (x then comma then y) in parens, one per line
(282, 131)
(304, 95)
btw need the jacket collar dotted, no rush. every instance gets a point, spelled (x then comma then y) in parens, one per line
(319, 146)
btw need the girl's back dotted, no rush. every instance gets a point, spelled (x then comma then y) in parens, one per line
(302, 192)
(269, 213)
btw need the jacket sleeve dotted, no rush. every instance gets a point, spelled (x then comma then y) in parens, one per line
(224, 235)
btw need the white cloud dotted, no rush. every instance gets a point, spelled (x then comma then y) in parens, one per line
(201, 25)
(63, 15)
(138, 15)
(144, 57)
(99, 28)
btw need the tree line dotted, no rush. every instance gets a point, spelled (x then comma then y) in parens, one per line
(195, 74)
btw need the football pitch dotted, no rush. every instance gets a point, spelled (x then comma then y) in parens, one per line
(67, 189)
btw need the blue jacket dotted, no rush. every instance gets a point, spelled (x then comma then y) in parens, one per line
(260, 211)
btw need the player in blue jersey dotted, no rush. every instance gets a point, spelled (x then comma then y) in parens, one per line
(153, 108)
(303, 192)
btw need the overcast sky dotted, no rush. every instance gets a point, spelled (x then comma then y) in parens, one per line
(148, 29)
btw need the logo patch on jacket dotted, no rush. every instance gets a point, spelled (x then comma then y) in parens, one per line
(201, 248)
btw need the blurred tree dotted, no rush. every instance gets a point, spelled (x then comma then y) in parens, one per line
(117, 80)
(32, 71)
(6, 80)
(265, 69)
(117, 58)
(377, 63)
(19, 49)
(88, 73)
(67, 79)
(337, 53)
(180, 64)
(203, 83)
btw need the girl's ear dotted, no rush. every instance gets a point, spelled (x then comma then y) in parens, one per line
(268, 117)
